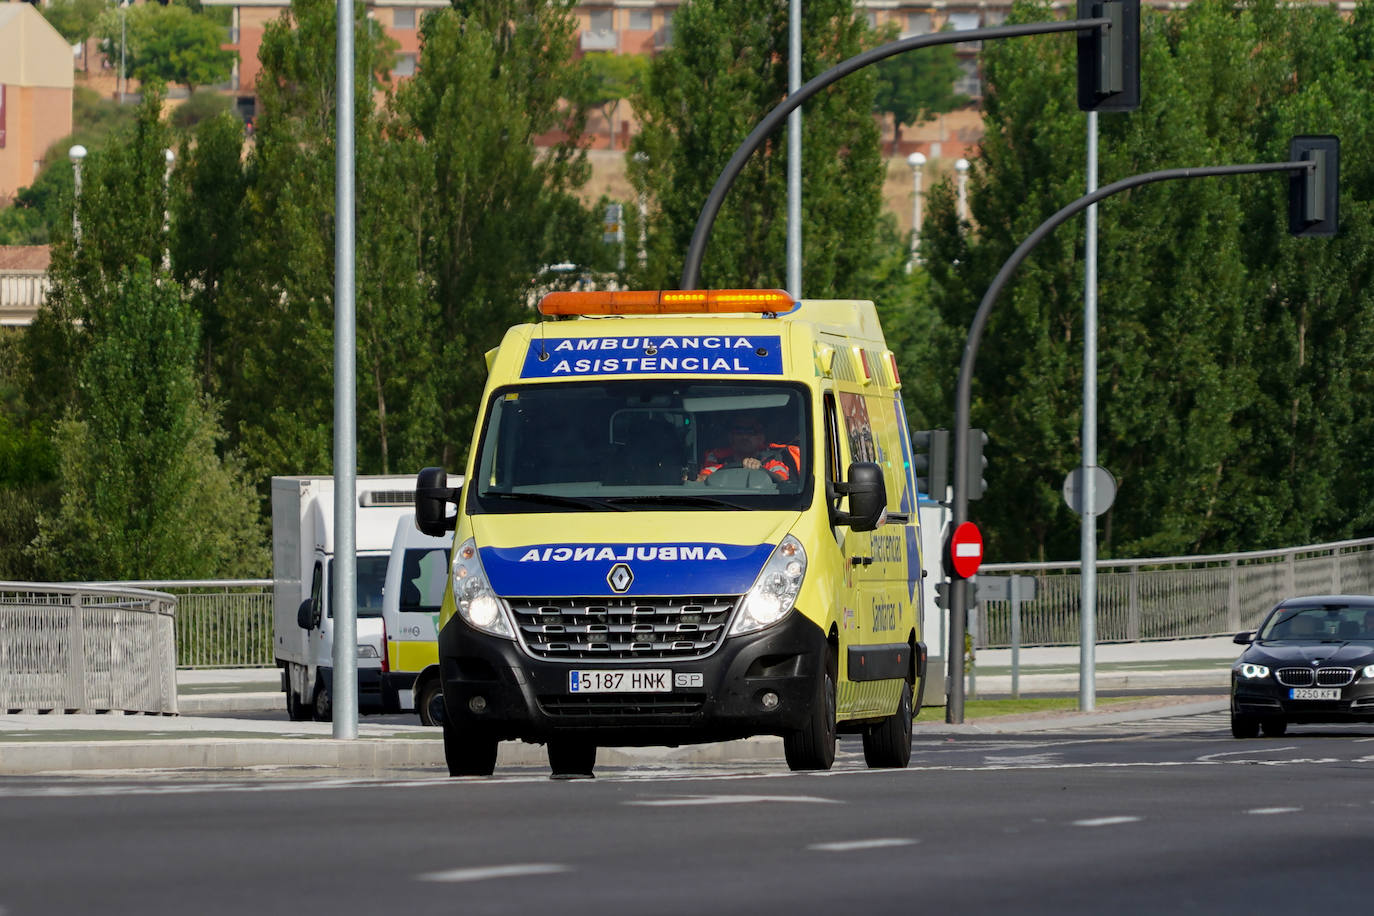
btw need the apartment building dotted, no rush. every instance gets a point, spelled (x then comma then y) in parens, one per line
(35, 93)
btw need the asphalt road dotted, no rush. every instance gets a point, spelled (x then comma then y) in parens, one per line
(1166, 816)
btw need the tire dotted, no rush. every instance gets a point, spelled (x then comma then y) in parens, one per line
(1244, 726)
(429, 703)
(571, 757)
(471, 754)
(812, 747)
(296, 709)
(1273, 728)
(323, 706)
(888, 744)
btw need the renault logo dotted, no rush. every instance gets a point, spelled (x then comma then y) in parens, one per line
(620, 578)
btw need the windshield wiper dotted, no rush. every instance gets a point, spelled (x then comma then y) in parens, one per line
(668, 499)
(550, 499)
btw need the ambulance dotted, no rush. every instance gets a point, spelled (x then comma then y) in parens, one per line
(687, 516)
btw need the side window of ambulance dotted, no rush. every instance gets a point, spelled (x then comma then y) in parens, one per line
(317, 593)
(832, 451)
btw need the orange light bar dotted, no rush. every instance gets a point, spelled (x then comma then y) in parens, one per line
(666, 302)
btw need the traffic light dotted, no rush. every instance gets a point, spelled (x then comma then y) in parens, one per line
(942, 595)
(1313, 193)
(1109, 58)
(977, 465)
(932, 462)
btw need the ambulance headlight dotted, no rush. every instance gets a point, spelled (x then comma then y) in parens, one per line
(477, 603)
(775, 591)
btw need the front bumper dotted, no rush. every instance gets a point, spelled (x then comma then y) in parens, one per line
(527, 698)
(1266, 698)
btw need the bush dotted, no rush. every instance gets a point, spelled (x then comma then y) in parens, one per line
(201, 106)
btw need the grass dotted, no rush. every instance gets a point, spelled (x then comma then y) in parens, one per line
(982, 709)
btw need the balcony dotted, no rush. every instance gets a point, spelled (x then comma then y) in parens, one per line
(600, 40)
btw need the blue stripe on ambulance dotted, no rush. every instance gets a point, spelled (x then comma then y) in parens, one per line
(659, 569)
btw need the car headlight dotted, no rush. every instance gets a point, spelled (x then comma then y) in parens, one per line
(1256, 671)
(366, 650)
(477, 603)
(775, 590)
(1368, 671)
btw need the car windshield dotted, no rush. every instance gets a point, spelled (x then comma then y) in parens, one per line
(1319, 623)
(371, 578)
(638, 445)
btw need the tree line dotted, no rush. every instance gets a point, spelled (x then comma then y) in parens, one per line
(186, 352)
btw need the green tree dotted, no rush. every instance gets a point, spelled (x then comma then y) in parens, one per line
(1230, 390)
(915, 86)
(168, 43)
(144, 493)
(77, 20)
(610, 79)
(727, 68)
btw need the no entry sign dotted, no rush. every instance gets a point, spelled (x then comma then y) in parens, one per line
(965, 550)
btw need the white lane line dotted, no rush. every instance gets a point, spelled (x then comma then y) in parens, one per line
(1254, 750)
(1272, 810)
(687, 800)
(1106, 821)
(856, 845)
(456, 875)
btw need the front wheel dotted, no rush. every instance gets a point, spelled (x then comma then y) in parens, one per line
(571, 757)
(887, 745)
(323, 706)
(812, 747)
(1243, 726)
(1274, 728)
(470, 754)
(429, 703)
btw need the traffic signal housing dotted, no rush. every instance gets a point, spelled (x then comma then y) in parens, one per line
(931, 460)
(1109, 58)
(977, 464)
(1313, 193)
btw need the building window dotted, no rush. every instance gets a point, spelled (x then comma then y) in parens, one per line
(403, 17)
(960, 22)
(405, 65)
(872, 20)
(601, 20)
(969, 84)
(641, 20)
(918, 24)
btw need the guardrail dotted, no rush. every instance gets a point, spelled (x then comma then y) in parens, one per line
(1175, 597)
(221, 623)
(78, 648)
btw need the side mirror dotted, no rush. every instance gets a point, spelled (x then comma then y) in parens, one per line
(432, 495)
(305, 615)
(867, 497)
(1243, 639)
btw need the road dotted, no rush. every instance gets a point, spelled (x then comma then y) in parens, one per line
(1160, 817)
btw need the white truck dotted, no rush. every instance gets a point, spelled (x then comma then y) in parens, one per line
(303, 570)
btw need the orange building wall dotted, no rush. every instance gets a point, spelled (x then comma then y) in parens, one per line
(35, 119)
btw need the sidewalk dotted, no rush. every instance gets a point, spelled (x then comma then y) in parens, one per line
(207, 735)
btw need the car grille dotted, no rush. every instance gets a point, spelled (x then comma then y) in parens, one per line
(1321, 677)
(622, 628)
(621, 706)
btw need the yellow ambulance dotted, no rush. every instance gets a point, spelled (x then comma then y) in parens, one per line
(687, 517)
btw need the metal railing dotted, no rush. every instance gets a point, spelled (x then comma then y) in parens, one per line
(222, 623)
(1175, 597)
(76, 648)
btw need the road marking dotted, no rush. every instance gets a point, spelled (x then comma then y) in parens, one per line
(1254, 750)
(1272, 810)
(1106, 821)
(456, 875)
(861, 844)
(686, 800)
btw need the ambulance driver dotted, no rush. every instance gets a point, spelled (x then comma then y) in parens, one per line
(750, 448)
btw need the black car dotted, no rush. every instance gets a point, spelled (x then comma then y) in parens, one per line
(1312, 660)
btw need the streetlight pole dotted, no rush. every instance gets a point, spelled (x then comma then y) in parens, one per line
(76, 154)
(917, 162)
(123, 33)
(643, 160)
(166, 210)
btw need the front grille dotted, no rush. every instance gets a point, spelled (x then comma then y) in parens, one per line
(1334, 677)
(1296, 677)
(1320, 677)
(622, 706)
(622, 628)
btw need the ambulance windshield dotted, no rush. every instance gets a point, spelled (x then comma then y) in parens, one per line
(639, 445)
